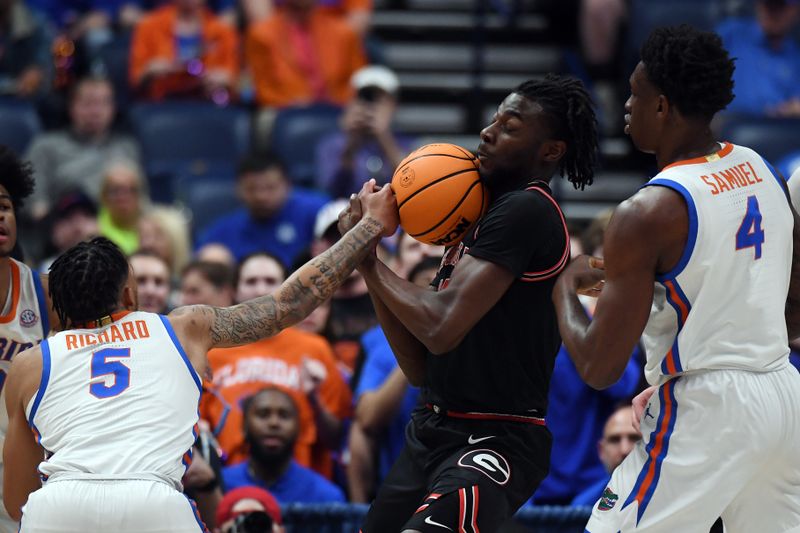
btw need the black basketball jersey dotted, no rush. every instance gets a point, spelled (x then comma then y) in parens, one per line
(504, 363)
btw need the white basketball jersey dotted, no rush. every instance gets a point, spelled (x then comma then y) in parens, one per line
(722, 306)
(120, 400)
(23, 323)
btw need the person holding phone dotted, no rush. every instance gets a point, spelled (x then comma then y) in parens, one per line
(365, 147)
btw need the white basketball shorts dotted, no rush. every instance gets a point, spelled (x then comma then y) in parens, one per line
(716, 443)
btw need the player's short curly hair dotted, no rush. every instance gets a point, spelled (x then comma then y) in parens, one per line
(691, 68)
(570, 112)
(86, 281)
(16, 176)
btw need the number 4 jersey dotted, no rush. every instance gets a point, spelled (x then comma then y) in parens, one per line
(117, 401)
(722, 306)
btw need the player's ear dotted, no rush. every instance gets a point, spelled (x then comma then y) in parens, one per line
(553, 151)
(663, 105)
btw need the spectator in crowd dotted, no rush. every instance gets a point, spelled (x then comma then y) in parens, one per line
(271, 428)
(619, 438)
(165, 231)
(249, 509)
(121, 204)
(276, 217)
(574, 464)
(356, 13)
(215, 252)
(352, 313)
(72, 219)
(384, 401)
(182, 50)
(152, 281)
(25, 60)
(207, 283)
(301, 55)
(78, 156)
(366, 147)
(300, 362)
(767, 75)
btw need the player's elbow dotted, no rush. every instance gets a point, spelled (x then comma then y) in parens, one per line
(599, 376)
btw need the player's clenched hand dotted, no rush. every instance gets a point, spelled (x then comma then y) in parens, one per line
(381, 205)
(585, 275)
(639, 403)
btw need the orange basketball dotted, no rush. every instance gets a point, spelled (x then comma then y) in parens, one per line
(439, 193)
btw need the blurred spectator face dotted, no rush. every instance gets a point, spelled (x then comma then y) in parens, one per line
(196, 289)
(259, 275)
(74, 220)
(300, 5)
(317, 320)
(189, 5)
(92, 108)
(619, 438)
(121, 193)
(263, 193)
(410, 252)
(271, 426)
(8, 224)
(216, 253)
(777, 17)
(153, 237)
(152, 280)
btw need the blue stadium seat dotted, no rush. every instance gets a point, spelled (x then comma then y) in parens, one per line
(113, 60)
(295, 135)
(646, 15)
(19, 123)
(773, 138)
(181, 137)
(208, 197)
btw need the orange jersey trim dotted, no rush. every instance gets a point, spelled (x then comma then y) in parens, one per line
(726, 149)
(5, 319)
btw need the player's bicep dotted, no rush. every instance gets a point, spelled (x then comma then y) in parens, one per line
(474, 288)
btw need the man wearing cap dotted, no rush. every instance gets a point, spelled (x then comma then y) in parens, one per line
(249, 507)
(365, 147)
(767, 75)
(275, 217)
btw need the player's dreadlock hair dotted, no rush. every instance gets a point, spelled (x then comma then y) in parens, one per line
(86, 280)
(691, 68)
(16, 176)
(570, 113)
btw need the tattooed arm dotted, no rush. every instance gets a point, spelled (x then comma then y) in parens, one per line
(201, 327)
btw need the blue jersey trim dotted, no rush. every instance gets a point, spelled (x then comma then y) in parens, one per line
(782, 182)
(692, 237)
(42, 386)
(196, 514)
(44, 310)
(178, 347)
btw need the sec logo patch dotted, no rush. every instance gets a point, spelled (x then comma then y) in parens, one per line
(28, 318)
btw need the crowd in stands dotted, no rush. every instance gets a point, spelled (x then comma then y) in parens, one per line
(316, 413)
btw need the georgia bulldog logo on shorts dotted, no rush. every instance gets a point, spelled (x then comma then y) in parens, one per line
(489, 463)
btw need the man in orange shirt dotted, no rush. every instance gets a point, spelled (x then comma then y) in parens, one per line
(299, 362)
(183, 50)
(302, 54)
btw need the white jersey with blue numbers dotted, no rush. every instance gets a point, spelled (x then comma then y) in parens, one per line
(722, 306)
(118, 401)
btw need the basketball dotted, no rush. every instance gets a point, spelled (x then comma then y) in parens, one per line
(439, 193)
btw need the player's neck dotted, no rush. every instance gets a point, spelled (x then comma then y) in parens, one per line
(687, 143)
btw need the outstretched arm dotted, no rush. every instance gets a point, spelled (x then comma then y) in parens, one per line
(200, 328)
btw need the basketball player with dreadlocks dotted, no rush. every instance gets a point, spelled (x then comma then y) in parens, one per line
(700, 264)
(482, 344)
(25, 313)
(113, 399)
